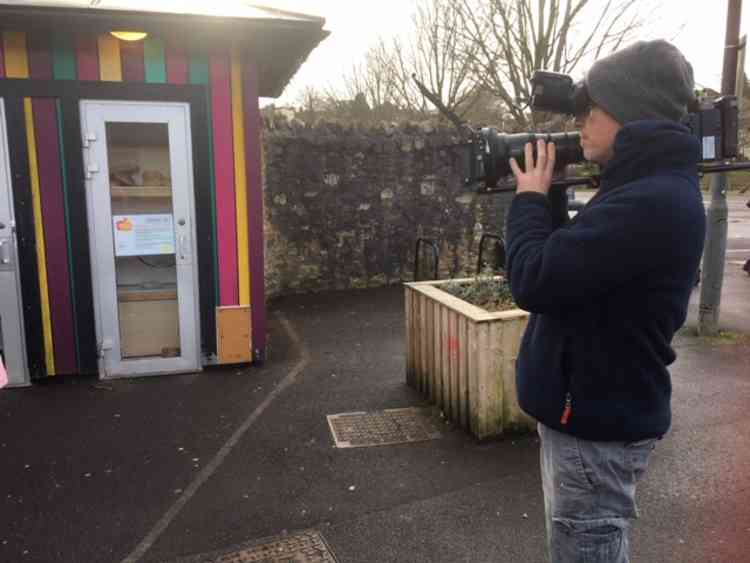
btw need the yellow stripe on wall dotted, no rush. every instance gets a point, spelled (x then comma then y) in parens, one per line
(41, 255)
(16, 56)
(240, 179)
(110, 64)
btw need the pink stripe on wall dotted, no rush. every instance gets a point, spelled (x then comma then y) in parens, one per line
(226, 220)
(255, 208)
(87, 57)
(53, 211)
(177, 64)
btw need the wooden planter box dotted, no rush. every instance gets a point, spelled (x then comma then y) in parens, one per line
(463, 359)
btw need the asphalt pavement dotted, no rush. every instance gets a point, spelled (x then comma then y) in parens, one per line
(158, 469)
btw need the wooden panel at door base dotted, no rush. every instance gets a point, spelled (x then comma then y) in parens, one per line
(149, 324)
(233, 334)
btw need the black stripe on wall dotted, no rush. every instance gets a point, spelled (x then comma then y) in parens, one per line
(24, 214)
(79, 237)
(204, 230)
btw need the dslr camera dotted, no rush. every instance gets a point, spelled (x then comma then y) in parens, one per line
(714, 123)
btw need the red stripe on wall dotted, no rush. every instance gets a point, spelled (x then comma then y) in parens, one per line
(254, 209)
(55, 235)
(87, 57)
(53, 211)
(177, 64)
(40, 57)
(133, 65)
(226, 219)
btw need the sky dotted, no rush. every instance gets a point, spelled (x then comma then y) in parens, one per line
(696, 28)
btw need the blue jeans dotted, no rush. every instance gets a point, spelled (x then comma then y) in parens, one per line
(589, 495)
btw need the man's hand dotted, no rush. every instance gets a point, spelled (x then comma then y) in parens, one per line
(538, 176)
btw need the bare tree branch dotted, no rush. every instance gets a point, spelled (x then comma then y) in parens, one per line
(513, 38)
(484, 51)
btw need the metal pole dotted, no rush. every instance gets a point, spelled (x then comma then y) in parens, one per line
(731, 47)
(714, 256)
(740, 78)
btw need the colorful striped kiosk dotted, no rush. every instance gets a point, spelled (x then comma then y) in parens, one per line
(131, 211)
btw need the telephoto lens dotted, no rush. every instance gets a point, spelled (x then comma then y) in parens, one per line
(491, 152)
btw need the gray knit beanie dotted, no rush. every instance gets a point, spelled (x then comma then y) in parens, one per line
(647, 80)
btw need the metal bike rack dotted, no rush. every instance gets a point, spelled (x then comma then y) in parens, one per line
(500, 249)
(435, 253)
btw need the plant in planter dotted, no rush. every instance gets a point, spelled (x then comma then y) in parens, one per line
(463, 337)
(487, 291)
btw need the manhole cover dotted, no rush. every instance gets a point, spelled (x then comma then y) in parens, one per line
(381, 428)
(302, 547)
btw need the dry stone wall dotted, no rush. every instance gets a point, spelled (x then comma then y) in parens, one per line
(344, 205)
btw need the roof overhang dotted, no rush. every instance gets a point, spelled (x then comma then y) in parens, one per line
(279, 42)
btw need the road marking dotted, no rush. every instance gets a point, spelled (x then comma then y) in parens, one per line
(739, 250)
(225, 450)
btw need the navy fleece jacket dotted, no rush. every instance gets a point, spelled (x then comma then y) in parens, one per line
(608, 290)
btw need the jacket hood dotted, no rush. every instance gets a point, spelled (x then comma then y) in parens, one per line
(644, 148)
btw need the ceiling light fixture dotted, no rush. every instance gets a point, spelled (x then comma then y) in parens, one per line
(129, 35)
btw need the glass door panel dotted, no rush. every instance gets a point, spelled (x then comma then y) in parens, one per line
(140, 189)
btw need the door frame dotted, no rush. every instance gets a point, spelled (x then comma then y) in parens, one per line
(12, 325)
(70, 93)
(95, 114)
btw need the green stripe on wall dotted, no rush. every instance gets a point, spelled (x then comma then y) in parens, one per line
(63, 58)
(66, 196)
(200, 74)
(156, 65)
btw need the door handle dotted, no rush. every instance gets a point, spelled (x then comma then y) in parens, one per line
(182, 245)
(5, 254)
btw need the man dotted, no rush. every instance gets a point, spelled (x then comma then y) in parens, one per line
(607, 291)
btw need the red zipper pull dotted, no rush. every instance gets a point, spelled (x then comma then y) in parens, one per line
(568, 410)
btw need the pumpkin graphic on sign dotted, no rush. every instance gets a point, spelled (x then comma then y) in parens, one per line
(125, 225)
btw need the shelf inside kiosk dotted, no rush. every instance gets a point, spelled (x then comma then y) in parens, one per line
(144, 239)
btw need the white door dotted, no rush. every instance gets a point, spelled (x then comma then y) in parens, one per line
(12, 341)
(138, 162)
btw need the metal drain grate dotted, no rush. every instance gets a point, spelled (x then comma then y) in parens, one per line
(381, 428)
(303, 547)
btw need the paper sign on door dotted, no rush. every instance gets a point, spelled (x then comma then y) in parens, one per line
(143, 235)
